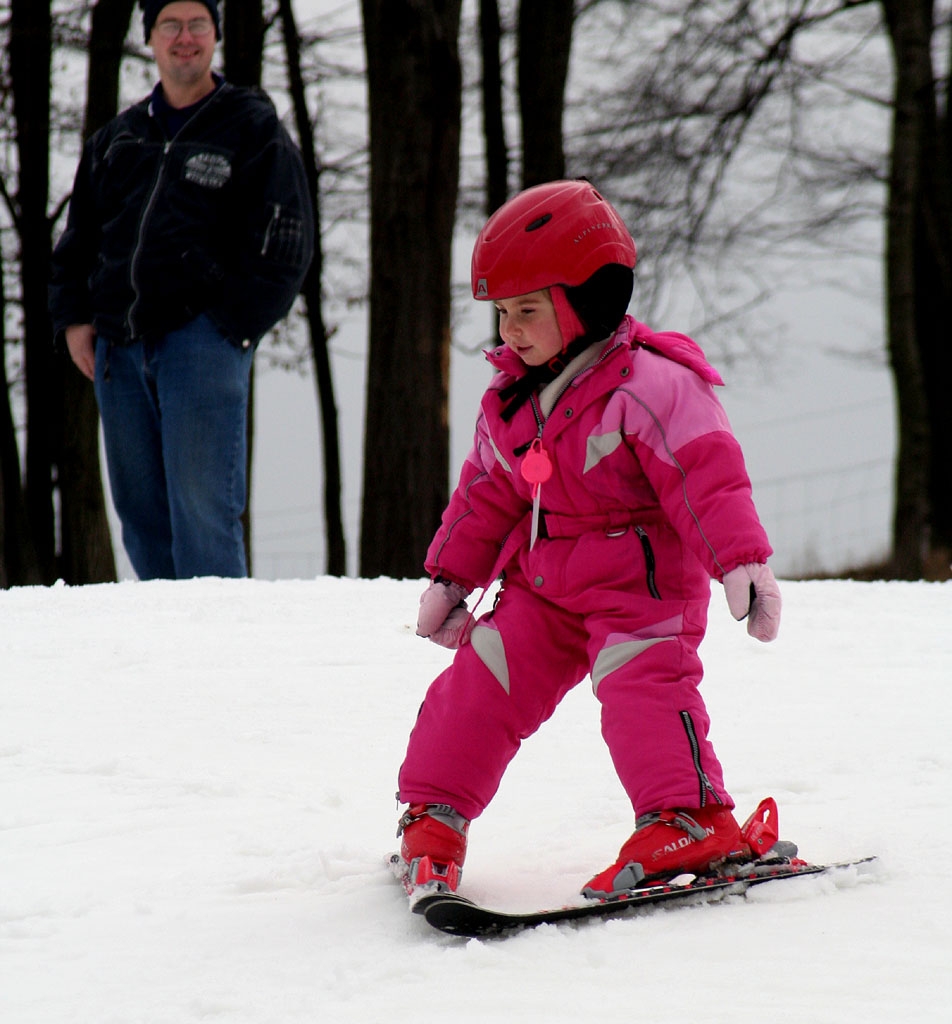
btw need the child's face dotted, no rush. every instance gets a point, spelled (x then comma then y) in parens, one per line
(528, 325)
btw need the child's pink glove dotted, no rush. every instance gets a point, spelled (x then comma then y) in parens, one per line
(752, 591)
(443, 616)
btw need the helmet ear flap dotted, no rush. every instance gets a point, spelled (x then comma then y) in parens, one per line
(602, 301)
(570, 324)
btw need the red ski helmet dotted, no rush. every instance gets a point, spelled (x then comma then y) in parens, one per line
(559, 233)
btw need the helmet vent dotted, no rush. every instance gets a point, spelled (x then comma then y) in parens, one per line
(539, 222)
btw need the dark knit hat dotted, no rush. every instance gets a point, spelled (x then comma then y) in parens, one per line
(152, 8)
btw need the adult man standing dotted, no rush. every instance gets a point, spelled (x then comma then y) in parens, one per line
(189, 232)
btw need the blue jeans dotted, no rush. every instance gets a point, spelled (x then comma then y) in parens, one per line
(174, 415)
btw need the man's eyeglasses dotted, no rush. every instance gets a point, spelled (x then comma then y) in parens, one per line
(171, 27)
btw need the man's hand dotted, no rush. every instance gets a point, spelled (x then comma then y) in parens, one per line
(81, 342)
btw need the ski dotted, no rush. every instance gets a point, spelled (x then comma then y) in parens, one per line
(457, 915)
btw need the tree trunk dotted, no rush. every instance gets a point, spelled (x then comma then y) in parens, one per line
(30, 67)
(934, 305)
(909, 23)
(545, 42)
(414, 88)
(243, 41)
(18, 565)
(87, 553)
(313, 297)
(243, 44)
(494, 129)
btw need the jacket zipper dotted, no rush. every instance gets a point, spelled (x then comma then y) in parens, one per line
(707, 791)
(537, 412)
(585, 369)
(137, 250)
(150, 205)
(540, 423)
(271, 223)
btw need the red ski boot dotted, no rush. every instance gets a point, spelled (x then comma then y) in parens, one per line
(433, 847)
(670, 843)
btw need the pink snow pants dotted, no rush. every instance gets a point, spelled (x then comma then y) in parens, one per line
(524, 656)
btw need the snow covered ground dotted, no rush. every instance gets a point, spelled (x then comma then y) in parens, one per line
(196, 799)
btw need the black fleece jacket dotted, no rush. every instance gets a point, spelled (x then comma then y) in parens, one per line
(216, 220)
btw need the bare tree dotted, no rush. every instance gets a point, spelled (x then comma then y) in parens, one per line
(243, 45)
(87, 554)
(30, 69)
(18, 563)
(543, 35)
(545, 44)
(18, 566)
(723, 78)
(910, 29)
(414, 99)
(46, 538)
(494, 126)
(313, 298)
(243, 51)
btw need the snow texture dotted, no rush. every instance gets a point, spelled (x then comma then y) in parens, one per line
(197, 799)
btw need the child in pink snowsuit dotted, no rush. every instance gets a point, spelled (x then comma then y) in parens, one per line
(606, 487)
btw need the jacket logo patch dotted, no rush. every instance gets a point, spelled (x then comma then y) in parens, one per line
(210, 170)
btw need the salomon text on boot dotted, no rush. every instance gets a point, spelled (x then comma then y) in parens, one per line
(670, 843)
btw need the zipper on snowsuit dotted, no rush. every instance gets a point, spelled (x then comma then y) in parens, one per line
(649, 563)
(707, 791)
